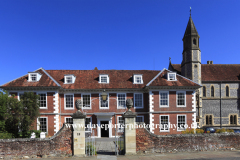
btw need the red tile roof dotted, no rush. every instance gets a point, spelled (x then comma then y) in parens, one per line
(217, 72)
(23, 81)
(89, 79)
(161, 80)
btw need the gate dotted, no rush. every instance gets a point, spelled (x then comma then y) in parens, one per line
(119, 141)
(90, 149)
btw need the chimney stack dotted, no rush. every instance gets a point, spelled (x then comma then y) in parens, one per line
(209, 62)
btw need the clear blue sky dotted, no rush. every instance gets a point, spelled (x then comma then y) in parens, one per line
(112, 34)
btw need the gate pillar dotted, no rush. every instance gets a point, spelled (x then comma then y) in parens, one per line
(78, 132)
(129, 129)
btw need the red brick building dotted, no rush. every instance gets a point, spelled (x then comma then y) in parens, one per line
(159, 97)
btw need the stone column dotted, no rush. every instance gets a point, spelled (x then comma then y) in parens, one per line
(79, 133)
(129, 130)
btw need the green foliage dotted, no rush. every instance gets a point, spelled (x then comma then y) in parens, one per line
(37, 132)
(223, 130)
(91, 148)
(191, 131)
(5, 135)
(16, 117)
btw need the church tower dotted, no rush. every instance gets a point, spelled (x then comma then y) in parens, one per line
(191, 61)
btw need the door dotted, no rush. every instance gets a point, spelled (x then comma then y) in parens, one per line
(104, 132)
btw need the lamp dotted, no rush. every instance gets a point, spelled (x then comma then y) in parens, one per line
(104, 95)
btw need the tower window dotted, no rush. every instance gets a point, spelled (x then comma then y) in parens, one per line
(194, 41)
(227, 91)
(209, 119)
(212, 91)
(204, 91)
(233, 119)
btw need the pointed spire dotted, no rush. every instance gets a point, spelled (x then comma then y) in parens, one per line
(191, 29)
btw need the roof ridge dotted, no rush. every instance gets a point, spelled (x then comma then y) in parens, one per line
(50, 77)
(156, 76)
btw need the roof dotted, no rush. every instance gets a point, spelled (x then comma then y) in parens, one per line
(161, 80)
(190, 29)
(89, 79)
(45, 80)
(216, 72)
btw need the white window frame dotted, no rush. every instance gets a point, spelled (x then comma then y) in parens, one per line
(135, 100)
(38, 76)
(65, 102)
(135, 79)
(46, 100)
(90, 124)
(163, 106)
(65, 119)
(122, 129)
(103, 75)
(142, 119)
(119, 107)
(166, 130)
(185, 122)
(90, 100)
(38, 123)
(184, 97)
(171, 73)
(67, 76)
(100, 102)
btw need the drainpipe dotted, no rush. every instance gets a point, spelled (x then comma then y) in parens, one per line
(115, 134)
(220, 104)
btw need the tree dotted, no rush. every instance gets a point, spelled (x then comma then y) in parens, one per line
(17, 117)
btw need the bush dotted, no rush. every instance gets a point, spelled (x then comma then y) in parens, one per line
(223, 130)
(5, 135)
(199, 131)
(37, 133)
(187, 131)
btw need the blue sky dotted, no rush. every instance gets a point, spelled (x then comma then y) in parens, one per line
(112, 34)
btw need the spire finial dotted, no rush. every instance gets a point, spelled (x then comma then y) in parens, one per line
(190, 11)
(169, 59)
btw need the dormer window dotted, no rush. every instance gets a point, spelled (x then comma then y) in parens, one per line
(137, 79)
(172, 77)
(103, 78)
(34, 77)
(69, 79)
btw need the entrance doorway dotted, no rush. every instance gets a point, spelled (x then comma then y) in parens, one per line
(104, 132)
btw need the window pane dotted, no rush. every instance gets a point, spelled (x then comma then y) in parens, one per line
(103, 79)
(69, 120)
(138, 79)
(33, 77)
(163, 99)
(88, 124)
(181, 99)
(212, 91)
(139, 119)
(69, 79)
(138, 100)
(181, 122)
(42, 100)
(227, 91)
(120, 124)
(121, 100)
(204, 91)
(69, 101)
(43, 124)
(86, 101)
(164, 123)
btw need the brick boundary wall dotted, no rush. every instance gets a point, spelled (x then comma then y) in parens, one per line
(150, 143)
(58, 145)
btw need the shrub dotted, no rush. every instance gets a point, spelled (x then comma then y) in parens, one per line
(187, 131)
(230, 130)
(199, 131)
(208, 131)
(223, 130)
(5, 135)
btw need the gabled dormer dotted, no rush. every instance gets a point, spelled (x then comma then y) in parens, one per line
(69, 79)
(34, 76)
(137, 79)
(103, 78)
(171, 76)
